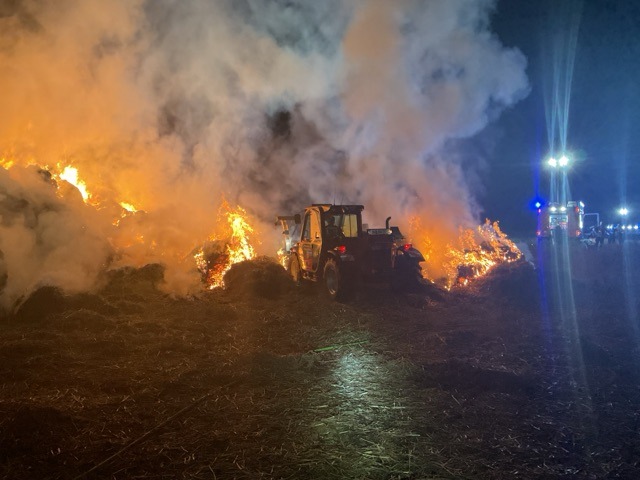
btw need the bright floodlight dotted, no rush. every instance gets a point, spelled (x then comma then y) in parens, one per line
(623, 211)
(564, 161)
(552, 162)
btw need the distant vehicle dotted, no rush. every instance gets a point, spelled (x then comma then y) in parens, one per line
(333, 247)
(559, 219)
(630, 231)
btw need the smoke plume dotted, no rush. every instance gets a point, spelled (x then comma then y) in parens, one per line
(174, 107)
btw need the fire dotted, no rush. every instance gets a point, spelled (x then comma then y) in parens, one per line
(283, 257)
(67, 173)
(70, 174)
(231, 243)
(222, 251)
(128, 207)
(476, 252)
(470, 259)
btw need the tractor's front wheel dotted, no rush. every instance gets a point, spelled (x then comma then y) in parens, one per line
(334, 281)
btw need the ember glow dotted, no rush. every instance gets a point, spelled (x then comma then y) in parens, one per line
(222, 251)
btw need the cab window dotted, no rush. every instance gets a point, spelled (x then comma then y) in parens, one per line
(314, 225)
(350, 226)
(311, 229)
(306, 231)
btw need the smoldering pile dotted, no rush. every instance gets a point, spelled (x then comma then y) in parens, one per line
(262, 277)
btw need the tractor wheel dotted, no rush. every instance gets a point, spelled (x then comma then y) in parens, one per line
(407, 276)
(334, 281)
(294, 270)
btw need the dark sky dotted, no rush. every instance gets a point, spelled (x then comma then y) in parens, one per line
(603, 116)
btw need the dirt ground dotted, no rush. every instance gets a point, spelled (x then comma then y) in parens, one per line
(527, 373)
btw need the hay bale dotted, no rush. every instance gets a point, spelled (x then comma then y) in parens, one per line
(41, 304)
(128, 280)
(261, 277)
(516, 283)
(49, 301)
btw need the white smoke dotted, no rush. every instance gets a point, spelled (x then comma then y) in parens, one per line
(171, 106)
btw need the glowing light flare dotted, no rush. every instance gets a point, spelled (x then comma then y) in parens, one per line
(562, 162)
(238, 248)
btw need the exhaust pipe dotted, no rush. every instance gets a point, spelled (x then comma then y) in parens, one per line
(387, 222)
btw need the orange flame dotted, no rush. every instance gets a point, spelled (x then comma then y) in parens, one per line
(283, 257)
(70, 174)
(128, 207)
(471, 259)
(236, 247)
(6, 164)
(477, 252)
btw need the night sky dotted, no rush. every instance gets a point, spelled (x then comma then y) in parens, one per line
(603, 114)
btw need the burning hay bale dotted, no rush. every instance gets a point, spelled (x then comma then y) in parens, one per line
(262, 277)
(478, 252)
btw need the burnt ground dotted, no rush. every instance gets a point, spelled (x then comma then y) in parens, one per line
(527, 373)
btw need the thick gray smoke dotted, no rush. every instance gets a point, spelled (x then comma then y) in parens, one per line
(173, 106)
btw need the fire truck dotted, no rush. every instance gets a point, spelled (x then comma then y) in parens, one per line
(561, 219)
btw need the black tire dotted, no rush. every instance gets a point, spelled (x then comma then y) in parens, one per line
(406, 276)
(334, 281)
(294, 270)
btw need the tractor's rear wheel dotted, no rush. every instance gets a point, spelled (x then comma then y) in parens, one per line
(335, 283)
(406, 276)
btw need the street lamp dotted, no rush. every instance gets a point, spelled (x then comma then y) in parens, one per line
(623, 211)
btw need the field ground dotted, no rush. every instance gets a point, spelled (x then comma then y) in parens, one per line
(527, 373)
